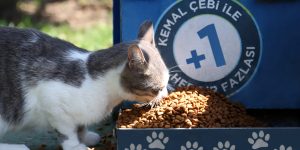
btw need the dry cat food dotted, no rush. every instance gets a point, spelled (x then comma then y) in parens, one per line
(188, 107)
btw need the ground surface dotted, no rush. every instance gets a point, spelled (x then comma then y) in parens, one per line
(48, 140)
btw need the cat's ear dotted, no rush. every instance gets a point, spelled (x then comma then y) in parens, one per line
(146, 32)
(136, 57)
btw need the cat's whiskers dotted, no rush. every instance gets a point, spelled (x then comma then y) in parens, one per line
(170, 69)
(173, 67)
(154, 102)
(174, 71)
(144, 104)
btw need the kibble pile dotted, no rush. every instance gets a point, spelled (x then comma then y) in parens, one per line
(188, 107)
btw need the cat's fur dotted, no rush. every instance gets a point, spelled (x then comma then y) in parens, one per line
(47, 82)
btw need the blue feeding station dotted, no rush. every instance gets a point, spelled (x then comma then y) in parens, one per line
(246, 50)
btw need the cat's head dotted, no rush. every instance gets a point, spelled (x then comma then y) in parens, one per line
(145, 75)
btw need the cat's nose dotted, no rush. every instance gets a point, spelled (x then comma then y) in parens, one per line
(164, 92)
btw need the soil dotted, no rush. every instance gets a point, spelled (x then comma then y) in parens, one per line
(72, 12)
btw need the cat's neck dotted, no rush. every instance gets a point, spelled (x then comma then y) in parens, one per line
(110, 83)
(100, 95)
(104, 70)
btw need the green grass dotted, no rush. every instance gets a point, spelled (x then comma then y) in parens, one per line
(92, 38)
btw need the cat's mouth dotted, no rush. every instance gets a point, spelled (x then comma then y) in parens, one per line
(152, 103)
(150, 100)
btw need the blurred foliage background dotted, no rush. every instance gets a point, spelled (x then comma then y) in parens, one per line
(85, 23)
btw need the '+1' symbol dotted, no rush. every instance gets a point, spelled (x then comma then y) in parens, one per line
(195, 59)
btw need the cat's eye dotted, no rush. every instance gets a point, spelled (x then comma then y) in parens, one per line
(156, 91)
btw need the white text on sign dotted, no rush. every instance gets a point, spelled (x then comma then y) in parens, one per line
(195, 6)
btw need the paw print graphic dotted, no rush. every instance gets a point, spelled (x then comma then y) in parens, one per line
(282, 147)
(157, 141)
(259, 140)
(133, 147)
(225, 146)
(190, 146)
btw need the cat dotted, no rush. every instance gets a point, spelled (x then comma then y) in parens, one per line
(46, 82)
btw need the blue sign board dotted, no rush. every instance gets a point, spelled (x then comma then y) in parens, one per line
(209, 139)
(247, 50)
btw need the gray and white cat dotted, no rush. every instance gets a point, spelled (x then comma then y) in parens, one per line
(47, 82)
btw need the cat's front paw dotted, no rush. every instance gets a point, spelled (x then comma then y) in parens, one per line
(91, 138)
(77, 147)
